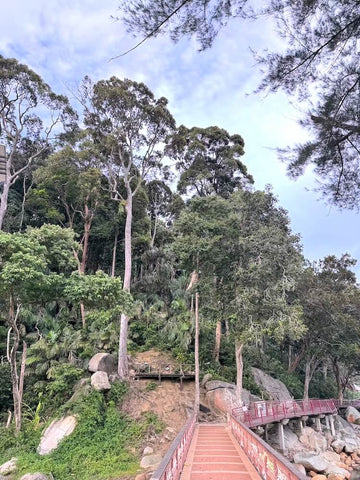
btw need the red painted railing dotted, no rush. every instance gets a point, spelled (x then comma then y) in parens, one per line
(347, 403)
(261, 413)
(171, 466)
(269, 464)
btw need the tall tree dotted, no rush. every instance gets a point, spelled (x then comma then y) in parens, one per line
(319, 62)
(29, 113)
(248, 262)
(208, 160)
(131, 126)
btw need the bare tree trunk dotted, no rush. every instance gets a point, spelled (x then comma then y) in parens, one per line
(123, 369)
(298, 357)
(307, 381)
(154, 233)
(87, 226)
(4, 202)
(8, 422)
(217, 342)
(337, 374)
(197, 366)
(113, 265)
(239, 347)
(16, 382)
(310, 367)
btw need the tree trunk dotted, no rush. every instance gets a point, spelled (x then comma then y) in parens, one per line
(298, 357)
(16, 383)
(87, 226)
(4, 202)
(113, 265)
(197, 366)
(123, 369)
(239, 370)
(307, 381)
(217, 342)
(339, 386)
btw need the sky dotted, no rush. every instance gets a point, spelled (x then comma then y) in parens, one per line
(64, 40)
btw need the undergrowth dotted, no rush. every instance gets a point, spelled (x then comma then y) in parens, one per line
(104, 445)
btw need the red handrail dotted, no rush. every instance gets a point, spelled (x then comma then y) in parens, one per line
(261, 413)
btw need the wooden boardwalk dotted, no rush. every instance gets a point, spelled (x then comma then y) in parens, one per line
(214, 454)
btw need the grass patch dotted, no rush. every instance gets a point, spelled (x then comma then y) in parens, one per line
(104, 445)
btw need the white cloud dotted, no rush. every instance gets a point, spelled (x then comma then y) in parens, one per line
(65, 39)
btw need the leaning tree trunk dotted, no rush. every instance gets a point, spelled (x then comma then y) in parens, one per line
(113, 263)
(239, 370)
(123, 370)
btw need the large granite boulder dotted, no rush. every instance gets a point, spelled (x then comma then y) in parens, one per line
(8, 467)
(347, 433)
(214, 384)
(103, 362)
(55, 432)
(100, 381)
(150, 461)
(34, 476)
(313, 440)
(352, 415)
(311, 461)
(273, 387)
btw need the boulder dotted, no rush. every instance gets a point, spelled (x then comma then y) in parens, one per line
(273, 387)
(319, 477)
(8, 467)
(311, 461)
(352, 415)
(351, 444)
(55, 432)
(150, 461)
(338, 445)
(313, 440)
(335, 470)
(34, 476)
(331, 457)
(214, 384)
(206, 379)
(102, 362)
(100, 381)
(148, 451)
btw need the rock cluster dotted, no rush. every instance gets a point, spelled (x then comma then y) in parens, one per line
(325, 457)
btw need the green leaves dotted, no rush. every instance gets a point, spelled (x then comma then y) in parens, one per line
(99, 292)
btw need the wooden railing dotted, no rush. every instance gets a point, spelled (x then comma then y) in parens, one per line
(171, 466)
(164, 369)
(269, 464)
(261, 413)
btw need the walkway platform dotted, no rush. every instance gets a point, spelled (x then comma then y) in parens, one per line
(214, 454)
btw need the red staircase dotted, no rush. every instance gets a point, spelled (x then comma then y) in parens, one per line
(215, 455)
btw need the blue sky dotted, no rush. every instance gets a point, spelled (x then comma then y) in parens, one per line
(64, 40)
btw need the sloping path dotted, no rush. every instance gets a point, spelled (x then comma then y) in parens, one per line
(215, 455)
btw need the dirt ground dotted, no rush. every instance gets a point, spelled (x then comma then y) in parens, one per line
(167, 399)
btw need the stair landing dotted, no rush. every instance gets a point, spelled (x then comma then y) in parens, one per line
(214, 454)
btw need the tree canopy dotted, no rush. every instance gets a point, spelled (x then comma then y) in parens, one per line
(318, 66)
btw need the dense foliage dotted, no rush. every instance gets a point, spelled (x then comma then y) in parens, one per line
(98, 206)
